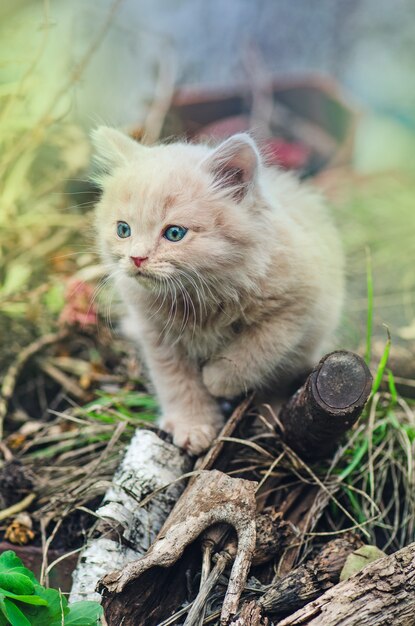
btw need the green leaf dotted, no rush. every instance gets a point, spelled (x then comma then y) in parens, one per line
(31, 599)
(52, 613)
(85, 613)
(3, 620)
(359, 559)
(16, 583)
(15, 616)
(35, 605)
(14, 577)
(3, 608)
(10, 561)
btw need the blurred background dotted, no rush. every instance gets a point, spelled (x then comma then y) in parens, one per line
(326, 87)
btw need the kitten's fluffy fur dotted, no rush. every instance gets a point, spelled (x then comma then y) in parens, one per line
(250, 294)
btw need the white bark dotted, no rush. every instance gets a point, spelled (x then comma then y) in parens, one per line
(149, 463)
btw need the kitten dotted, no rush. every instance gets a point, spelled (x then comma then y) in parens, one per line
(230, 271)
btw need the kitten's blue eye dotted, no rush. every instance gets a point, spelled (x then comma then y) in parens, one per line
(175, 233)
(123, 230)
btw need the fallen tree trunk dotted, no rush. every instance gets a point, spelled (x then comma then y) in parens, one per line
(327, 405)
(126, 530)
(382, 594)
(310, 580)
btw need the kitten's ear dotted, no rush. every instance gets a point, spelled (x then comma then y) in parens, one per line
(235, 164)
(114, 147)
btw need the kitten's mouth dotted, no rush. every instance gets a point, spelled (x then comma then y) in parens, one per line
(146, 278)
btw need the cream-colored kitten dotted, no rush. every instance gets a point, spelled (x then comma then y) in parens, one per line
(231, 272)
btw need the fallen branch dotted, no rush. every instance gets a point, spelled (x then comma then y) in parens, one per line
(11, 376)
(212, 498)
(310, 580)
(18, 507)
(327, 405)
(382, 593)
(126, 529)
(251, 615)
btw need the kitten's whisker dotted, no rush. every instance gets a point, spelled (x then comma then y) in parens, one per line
(100, 287)
(64, 256)
(186, 313)
(80, 205)
(176, 308)
(192, 282)
(184, 309)
(203, 283)
(108, 308)
(167, 325)
(212, 300)
(159, 291)
(164, 291)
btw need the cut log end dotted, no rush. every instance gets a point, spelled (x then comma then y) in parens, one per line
(341, 382)
(327, 405)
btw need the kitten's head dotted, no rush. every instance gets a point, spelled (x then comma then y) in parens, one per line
(179, 211)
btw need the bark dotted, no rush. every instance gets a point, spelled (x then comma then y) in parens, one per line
(327, 405)
(211, 499)
(273, 533)
(126, 530)
(297, 509)
(382, 594)
(310, 580)
(251, 615)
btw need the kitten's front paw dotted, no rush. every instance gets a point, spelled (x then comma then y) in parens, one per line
(220, 379)
(193, 437)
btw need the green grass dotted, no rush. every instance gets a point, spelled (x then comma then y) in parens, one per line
(374, 473)
(131, 407)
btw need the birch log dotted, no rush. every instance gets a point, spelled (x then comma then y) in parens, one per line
(126, 530)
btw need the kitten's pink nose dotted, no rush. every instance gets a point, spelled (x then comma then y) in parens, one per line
(138, 260)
